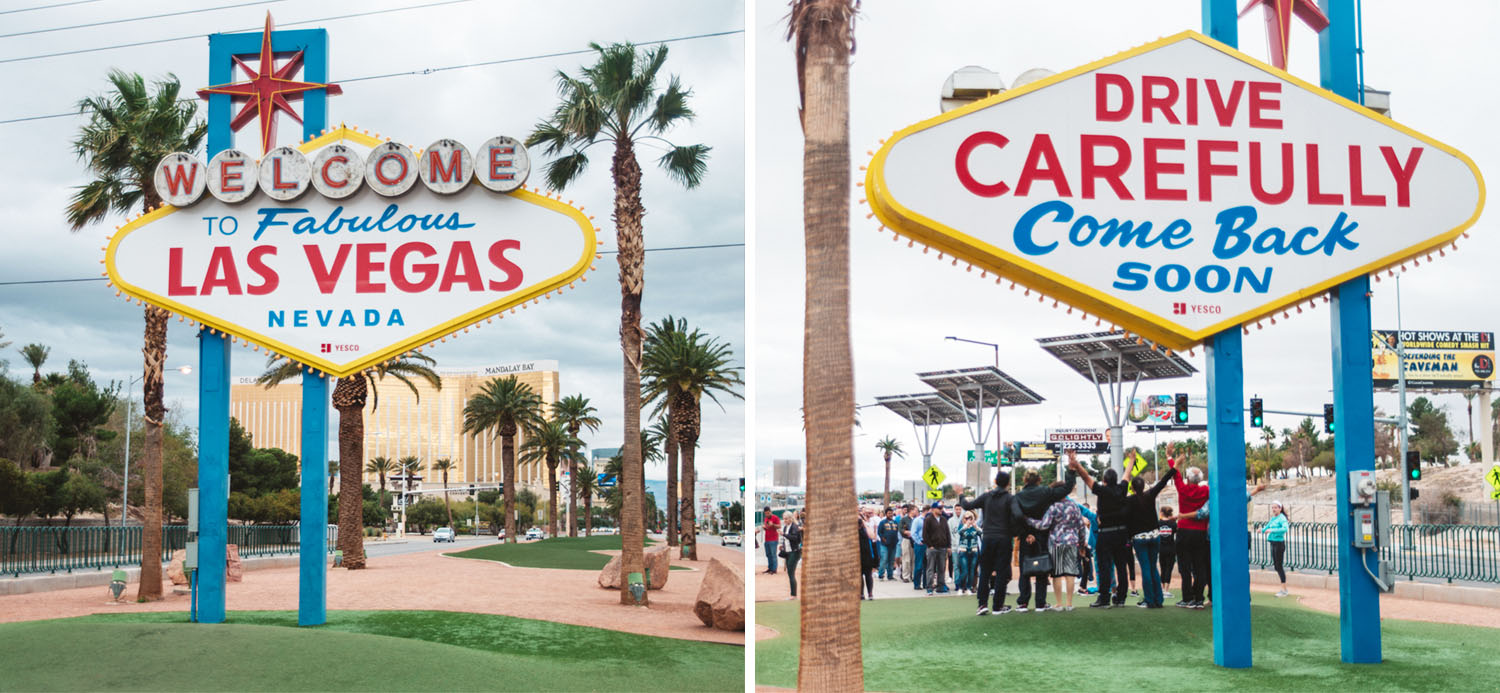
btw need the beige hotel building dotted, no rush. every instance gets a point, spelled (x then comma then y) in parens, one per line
(428, 424)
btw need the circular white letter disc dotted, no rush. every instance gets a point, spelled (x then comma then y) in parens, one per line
(232, 176)
(180, 179)
(284, 174)
(337, 172)
(391, 169)
(446, 166)
(502, 165)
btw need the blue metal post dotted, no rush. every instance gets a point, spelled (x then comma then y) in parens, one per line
(213, 385)
(213, 473)
(312, 602)
(1353, 399)
(1226, 449)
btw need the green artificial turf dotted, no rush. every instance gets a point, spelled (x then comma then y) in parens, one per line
(356, 650)
(940, 645)
(568, 553)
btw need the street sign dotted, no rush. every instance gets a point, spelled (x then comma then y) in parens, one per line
(1495, 494)
(934, 494)
(723, 504)
(343, 284)
(934, 477)
(1493, 476)
(991, 457)
(1177, 189)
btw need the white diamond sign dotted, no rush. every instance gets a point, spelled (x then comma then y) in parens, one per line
(344, 283)
(1177, 190)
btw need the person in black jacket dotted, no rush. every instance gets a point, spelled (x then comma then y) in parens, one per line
(868, 557)
(1167, 527)
(1032, 501)
(1114, 536)
(1144, 535)
(938, 539)
(995, 544)
(791, 543)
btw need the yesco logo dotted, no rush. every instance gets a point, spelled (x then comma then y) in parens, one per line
(1175, 189)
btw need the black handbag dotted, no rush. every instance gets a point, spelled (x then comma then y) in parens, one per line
(1032, 566)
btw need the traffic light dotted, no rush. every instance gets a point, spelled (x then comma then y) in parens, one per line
(1257, 414)
(1413, 465)
(1328, 418)
(1182, 414)
(471, 489)
(742, 484)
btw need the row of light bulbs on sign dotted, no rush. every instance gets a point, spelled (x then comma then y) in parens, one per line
(1311, 303)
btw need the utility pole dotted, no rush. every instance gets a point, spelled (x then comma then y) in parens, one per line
(1401, 416)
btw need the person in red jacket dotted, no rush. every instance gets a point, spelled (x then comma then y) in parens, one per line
(1192, 533)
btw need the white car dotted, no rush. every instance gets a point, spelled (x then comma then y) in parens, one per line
(443, 534)
(533, 534)
(732, 538)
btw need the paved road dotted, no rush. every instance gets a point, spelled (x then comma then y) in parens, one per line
(711, 539)
(416, 543)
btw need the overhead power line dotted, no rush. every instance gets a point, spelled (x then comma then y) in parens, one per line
(431, 70)
(253, 28)
(32, 282)
(127, 20)
(48, 7)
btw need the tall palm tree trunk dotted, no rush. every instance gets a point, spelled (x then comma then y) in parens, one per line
(552, 497)
(446, 505)
(829, 654)
(573, 485)
(588, 515)
(632, 260)
(673, 516)
(155, 412)
(351, 500)
(508, 471)
(689, 535)
(885, 501)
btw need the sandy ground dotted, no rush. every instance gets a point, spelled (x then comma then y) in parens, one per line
(431, 580)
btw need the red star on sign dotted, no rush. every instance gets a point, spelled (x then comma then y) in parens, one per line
(267, 89)
(1279, 23)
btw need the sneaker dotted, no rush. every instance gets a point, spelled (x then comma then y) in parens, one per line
(983, 611)
(1067, 608)
(1281, 593)
(1041, 607)
(1083, 590)
(1019, 609)
(1004, 609)
(1184, 604)
(1197, 605)
(1099, 605)
(929, 592)
(1141, 604)
(1166, 594)
(1135, 593)
(1153, 606)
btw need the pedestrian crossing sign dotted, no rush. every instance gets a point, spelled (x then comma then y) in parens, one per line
(934, 477)
(934, 494)
(1494, 477)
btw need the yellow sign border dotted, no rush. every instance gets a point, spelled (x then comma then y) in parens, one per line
(207, 321)
(1158, 328)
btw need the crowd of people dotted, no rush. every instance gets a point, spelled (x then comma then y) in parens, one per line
(1037, 534)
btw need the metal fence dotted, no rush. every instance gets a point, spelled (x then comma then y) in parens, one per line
(1445, 552)
(68, 549)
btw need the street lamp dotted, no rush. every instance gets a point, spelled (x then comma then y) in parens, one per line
(129, 400)
(992, 345)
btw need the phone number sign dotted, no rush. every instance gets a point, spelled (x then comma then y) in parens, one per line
(1178, 189)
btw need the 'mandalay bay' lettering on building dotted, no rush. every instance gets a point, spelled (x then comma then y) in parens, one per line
(1176, 189)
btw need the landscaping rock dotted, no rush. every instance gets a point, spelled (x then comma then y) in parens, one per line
(658, 564)
(721, 598)
(234, 570)
(175, 570)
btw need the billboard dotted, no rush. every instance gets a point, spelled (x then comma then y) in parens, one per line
(1435, 359)
(786, 472)
(1177, 189)
(349, 251)
(1084, 441)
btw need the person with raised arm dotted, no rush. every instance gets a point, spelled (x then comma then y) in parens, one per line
(1032, 502)
(1145, 535)
(1192, 532)
(1111, 553)
(995, 542)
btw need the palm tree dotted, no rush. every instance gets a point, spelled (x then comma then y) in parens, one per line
(35, 355)
(129, 131)
(333, 471)
(505, 405)
(656, 333)
(616, 100)
(822, 36)
(575, 413)
(380, 466)
(409, 466)
(585, 484)
(681, 367)
(889, 446)
(551, 443)
(445, 465)
(349, 397)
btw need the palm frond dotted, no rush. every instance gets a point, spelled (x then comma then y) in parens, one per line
(563, 170)
(686, 165)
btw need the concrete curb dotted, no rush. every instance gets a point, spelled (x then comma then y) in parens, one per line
(100, 578)
(1422, 591)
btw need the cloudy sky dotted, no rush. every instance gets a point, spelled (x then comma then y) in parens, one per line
(904, 303)
(579, 329)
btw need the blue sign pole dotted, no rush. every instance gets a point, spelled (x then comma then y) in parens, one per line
(213, 351)
(312, 594)
(1353, 398)
(1226, 450)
